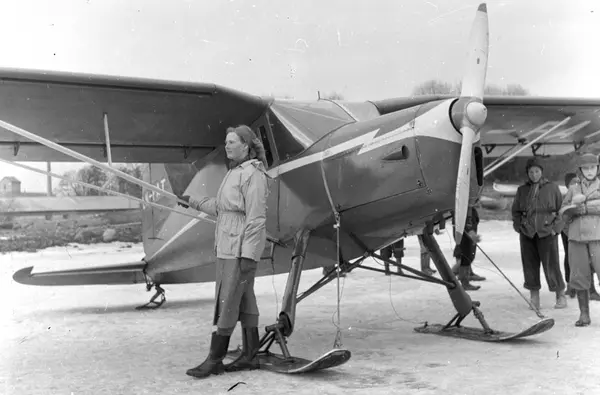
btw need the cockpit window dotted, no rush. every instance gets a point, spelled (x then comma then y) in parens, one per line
(262, 131)
(298, 125)
(287, 145)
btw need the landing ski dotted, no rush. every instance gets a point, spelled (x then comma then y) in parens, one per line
(469, 333)
(295, 365)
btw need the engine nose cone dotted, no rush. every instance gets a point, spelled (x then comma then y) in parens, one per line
(476, 113)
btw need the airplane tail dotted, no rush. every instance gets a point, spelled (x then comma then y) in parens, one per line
(171, 177)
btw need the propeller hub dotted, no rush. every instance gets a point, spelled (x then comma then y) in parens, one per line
(476, 113)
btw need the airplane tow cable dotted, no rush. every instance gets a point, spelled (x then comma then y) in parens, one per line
(337, 226)
(537, 311)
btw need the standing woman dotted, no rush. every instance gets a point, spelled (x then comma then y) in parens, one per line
(584, 233)
(240, 236)
(536, 219)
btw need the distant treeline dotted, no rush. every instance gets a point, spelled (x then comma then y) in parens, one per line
(555, 168)
(108, 181)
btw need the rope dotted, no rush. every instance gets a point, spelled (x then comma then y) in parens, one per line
(392, 302)
(337, 343)
(338, 336)
(537, 312)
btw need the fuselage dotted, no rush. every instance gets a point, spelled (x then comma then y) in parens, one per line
(386, 175)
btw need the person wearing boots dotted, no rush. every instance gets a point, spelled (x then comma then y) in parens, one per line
(396, 249)
(464, 252)
(470, 248)
(426, 258)
(570, 180)
(240, 236)
(535, 217)
(581, 210)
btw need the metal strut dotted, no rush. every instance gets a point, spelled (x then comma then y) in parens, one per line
(460, 299)
(285, 322)
(91, 186)
(493, 167)
(107, 137)
(66, 151)
(74, 154)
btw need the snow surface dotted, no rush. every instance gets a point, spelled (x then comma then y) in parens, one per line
(90, 340)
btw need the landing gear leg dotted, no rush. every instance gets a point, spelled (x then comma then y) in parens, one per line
(284, 327)
(464, 305)
(153, 304)
(460, 298)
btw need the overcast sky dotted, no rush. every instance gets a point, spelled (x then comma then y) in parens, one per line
(361, 49)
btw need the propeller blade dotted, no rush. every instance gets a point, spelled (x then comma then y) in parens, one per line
(473, 82)
(463, 183)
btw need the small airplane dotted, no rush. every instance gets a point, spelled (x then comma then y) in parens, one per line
(348, 178)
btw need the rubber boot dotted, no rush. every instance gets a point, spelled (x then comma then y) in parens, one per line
(248, 360)
(535, 299)
(593, 293)
(561, 300)
(583, 297)
(213, 364)
(571, 292)
(463, 276)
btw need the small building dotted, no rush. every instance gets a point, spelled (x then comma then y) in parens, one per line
(10, 186)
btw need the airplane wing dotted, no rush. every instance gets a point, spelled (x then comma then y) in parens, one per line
(510, 190)
(160, 121)
(516, 120)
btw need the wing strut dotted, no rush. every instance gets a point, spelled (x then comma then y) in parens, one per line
(107, 137)
(57, 147)
(493, 167)
(91, 186)
(86, 159)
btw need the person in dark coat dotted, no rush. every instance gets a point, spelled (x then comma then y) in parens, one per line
(535, 217)
(465, 251)
(240, 237)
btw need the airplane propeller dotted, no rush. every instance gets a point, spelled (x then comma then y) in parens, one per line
(471, 115)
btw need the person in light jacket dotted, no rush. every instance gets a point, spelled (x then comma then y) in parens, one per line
(581, 210)
(570, 180)
(535, 217)
(240, 236)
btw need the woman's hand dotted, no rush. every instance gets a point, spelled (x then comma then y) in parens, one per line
(247, 265)
(578, 199)
(474, 236)
(185, 198)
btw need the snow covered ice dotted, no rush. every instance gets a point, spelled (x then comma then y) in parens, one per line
(90, 340)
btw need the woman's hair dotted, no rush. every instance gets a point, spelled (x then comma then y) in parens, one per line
(256, 150)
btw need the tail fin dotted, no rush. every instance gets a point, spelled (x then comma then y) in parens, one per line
(172, 177)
